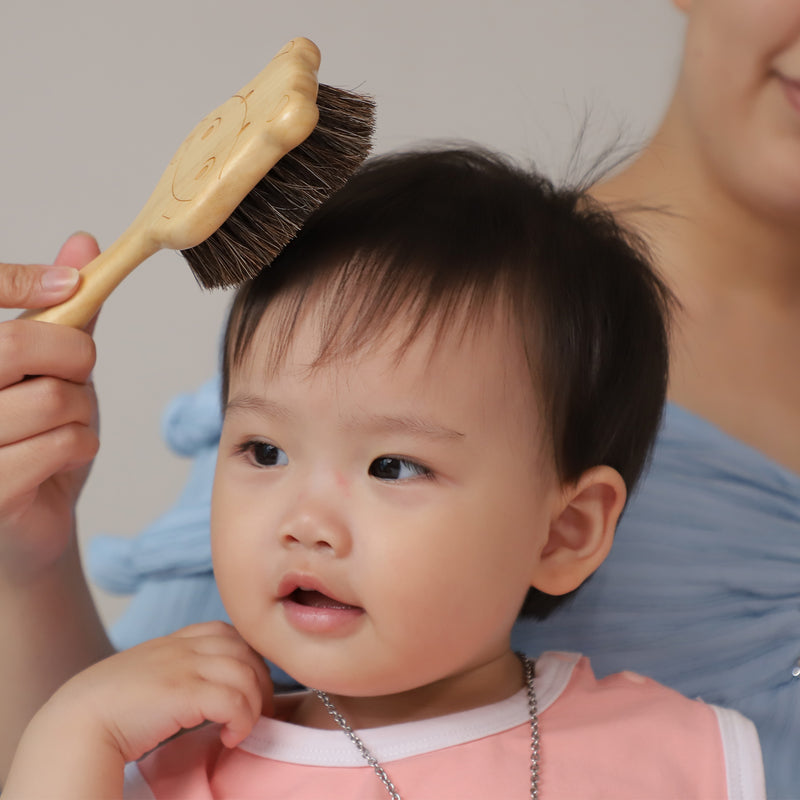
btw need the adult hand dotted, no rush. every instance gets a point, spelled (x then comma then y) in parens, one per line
(48, 423)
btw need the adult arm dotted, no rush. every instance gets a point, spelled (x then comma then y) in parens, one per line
(48, 438)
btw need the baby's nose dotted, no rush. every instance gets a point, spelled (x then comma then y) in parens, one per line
(314, 526)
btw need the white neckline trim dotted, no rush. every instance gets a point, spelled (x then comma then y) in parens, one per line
(285, 741)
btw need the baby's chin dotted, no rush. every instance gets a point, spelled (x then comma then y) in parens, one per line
(345, 680)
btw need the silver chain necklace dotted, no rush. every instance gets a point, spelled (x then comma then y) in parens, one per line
(533, 713)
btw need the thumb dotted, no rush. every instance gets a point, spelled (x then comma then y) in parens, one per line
(35, 285)
(39, 285)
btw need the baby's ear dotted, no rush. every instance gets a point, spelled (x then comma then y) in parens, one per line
(581, 531)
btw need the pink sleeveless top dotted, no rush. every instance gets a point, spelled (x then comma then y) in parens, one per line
(621, 737)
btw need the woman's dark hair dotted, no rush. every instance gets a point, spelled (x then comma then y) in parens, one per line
(447, 231)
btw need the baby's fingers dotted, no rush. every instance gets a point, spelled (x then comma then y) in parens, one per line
(145, 695)
(221, 702)
(238, 704)
(219, 638)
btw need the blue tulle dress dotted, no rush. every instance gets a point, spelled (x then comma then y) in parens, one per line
(701, 590)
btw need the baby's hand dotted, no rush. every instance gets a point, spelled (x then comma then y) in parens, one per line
(122, 707)
(144, 695)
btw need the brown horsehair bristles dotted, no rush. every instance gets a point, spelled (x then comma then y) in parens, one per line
(268, 218)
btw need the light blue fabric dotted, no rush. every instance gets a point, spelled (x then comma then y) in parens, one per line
(177, 544)
(701, 590)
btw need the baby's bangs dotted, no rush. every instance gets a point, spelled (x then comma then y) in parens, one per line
(392, 298)
(370, 300)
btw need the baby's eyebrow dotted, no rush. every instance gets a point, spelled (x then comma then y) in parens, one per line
(257, 404)
(408, 424)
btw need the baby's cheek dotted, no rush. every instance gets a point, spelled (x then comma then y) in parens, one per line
(233, 570)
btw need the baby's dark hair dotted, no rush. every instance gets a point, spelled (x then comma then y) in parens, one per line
(441, 232)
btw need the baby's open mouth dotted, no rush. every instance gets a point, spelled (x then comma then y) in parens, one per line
(309, 609)
(315, 599)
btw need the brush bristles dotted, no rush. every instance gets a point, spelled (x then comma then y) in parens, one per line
(268, 218)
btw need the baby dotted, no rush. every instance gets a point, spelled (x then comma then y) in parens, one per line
(435, 403)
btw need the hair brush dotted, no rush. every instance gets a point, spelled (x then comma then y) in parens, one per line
(241, 184)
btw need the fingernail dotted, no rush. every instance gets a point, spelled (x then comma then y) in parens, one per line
(57, 280)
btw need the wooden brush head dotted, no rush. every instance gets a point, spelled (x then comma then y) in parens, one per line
(232, 148)
(270, 215)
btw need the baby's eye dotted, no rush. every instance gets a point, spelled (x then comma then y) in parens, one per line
(393, 468)
(264, 454)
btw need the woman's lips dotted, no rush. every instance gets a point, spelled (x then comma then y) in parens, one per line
(791, 89)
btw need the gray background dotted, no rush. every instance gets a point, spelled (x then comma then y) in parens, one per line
(97, 95)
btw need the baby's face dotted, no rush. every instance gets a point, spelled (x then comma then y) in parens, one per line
(376, 524)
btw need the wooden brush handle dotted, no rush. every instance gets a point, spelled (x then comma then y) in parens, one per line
(98, 279)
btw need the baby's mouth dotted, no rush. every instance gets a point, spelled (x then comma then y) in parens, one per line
(311, 610)
(314, 599)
